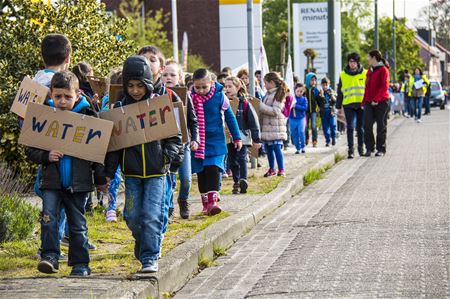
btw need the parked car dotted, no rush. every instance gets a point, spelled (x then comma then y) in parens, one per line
(437, 96)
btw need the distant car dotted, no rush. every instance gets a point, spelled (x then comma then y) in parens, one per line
(437, 96)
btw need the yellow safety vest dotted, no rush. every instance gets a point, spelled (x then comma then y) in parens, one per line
(353, 87)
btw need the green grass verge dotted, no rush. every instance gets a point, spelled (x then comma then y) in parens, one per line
(114, 241)
(315, 174)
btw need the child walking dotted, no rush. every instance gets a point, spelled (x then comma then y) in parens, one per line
(273, 130)
(297, 118)
(328, 112)
(312, 94)
(208, 159)
(250, 133)
(66, 182)
(144, 167)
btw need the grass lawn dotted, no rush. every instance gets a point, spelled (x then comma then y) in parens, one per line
(114, 254)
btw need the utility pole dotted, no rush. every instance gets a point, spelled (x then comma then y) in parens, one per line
(175, 30)
(289, 26)
(331, 42)
(394, 45)
(376, 42)
(251, 67)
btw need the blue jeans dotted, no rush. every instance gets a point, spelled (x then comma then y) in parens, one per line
(185, 174)
(298, 132)
(113, 189)
(62, 225)
(418, 103)
(274, 151)
(144, 208)
(329, 125)
(311, 118)
(74, 206)
(238, 162)
(353, 116)
(171, 181)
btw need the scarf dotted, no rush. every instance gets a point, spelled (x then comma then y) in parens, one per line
(199, 101)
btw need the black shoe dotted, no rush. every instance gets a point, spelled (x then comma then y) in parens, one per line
(367, 154)
(235, 188)
(184, 208)
(48, 265)
(351, 153)
(327, 144)
(297, 152)
(379, 154)
(360, 151)
(81, 270)
(333, 142)
(243, 184)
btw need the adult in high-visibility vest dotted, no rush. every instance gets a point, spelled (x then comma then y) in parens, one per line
(419, 85)
(350, 94)
(406, 90)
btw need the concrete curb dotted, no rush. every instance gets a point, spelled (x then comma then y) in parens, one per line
(181, 263)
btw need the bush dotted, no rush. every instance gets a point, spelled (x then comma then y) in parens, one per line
(17, 218)
(96, 36)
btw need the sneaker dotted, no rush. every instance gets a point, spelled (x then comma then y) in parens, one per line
(327, 144)
(91, 246)
(48, 265)
(419, 120)
(243, 184)
(269, 173)
(281, 173)
(150, 267)
(81, 270)
(65, 241)
(111, 216)
(297, 152)
(235, 188)
(303, 151)
(184, 208)
(367, 154)
(379, 154)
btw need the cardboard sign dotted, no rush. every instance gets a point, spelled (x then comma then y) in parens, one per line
(180, 116)
(254, 152)
(29, 92)
(115, 92)
(142, 122)
(182, 93)
(74, 134)
(256, 104)
(98, 85)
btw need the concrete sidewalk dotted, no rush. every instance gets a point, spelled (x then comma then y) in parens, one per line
(178, 266)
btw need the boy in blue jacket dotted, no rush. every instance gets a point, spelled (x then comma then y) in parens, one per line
(314, 97)
(66, 182)
(328, 112)
(297, 118)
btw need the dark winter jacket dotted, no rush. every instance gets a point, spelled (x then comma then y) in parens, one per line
(312, 94)
(248, 121)
(327, 102)
(69, 173)
(147, 160)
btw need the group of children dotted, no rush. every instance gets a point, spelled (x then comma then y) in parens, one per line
(149, 170)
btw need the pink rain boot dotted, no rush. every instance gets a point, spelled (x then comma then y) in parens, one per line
(205, 203)
(213, 207)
